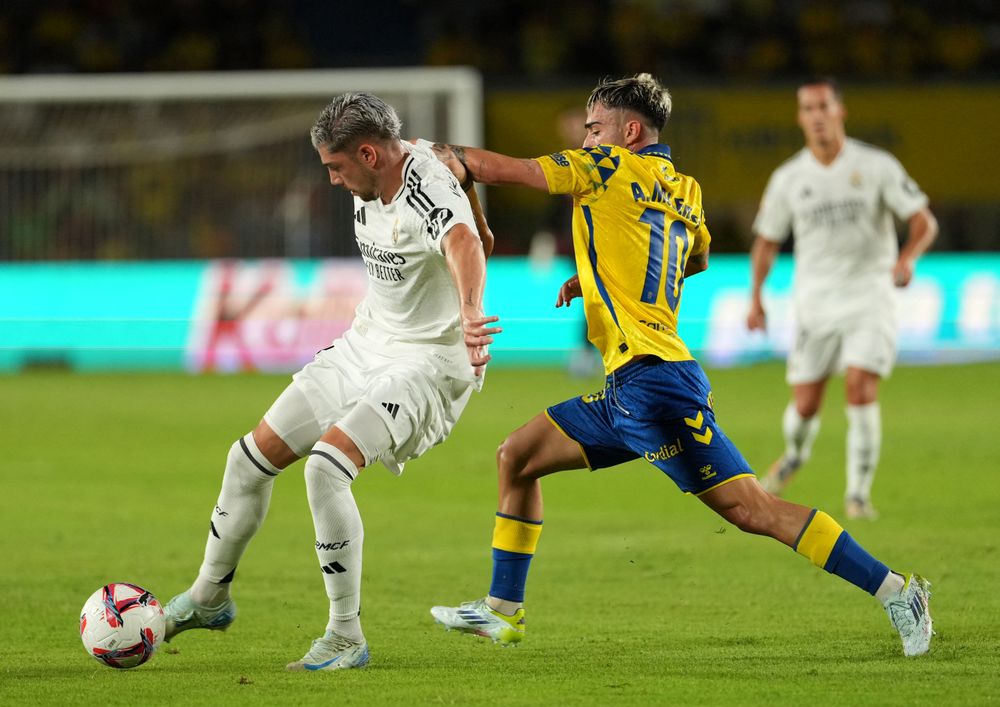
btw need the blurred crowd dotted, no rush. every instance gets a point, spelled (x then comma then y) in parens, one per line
(720, 39)
(162, 210)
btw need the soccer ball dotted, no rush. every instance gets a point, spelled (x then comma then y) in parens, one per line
(121, 625)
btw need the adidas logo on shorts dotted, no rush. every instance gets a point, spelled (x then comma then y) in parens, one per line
(393, 408)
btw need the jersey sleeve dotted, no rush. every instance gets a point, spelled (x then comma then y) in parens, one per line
(702, 238)
(440, 205)
(900, 192)
(774, 216)
(573, 171)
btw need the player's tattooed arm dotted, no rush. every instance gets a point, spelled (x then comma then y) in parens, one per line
(454, 158)
(472, 164)
(696, 264)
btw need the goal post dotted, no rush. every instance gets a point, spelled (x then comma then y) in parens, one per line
(195, 165)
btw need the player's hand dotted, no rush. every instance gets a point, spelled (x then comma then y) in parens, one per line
(478, 337)
(903, 272)
(569, 291)
(756, 317)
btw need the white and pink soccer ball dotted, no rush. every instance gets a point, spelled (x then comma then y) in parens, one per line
(122, 625)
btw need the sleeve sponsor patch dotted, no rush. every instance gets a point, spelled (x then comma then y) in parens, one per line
(437, 220)
(559, 159)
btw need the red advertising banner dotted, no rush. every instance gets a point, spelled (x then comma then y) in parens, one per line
(271, 315)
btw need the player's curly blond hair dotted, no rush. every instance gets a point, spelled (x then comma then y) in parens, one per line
(352, 116)
(641, 93)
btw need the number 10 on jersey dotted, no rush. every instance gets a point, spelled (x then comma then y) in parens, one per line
(677, 249)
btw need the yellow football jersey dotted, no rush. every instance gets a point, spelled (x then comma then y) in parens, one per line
(636, 221)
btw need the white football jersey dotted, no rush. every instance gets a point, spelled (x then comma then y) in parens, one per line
(411, 295)
(845, 238)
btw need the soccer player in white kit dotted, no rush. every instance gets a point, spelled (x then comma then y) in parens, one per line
(388, 390)
(838, 196)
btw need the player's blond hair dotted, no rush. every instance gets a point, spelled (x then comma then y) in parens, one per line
(351, 117)
(641, 94)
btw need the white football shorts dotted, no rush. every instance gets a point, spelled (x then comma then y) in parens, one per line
(405, 384)
(867, 344)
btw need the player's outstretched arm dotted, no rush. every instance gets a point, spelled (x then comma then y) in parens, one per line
(485, 234)
(762, 256)
(923, 229)
(478, 165)
(466, 260)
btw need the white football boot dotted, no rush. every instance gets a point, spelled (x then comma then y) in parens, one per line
(333, 652)
(911, 616)
(478, 618)
(181, 614)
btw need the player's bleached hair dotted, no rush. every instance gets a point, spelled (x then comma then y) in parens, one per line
(641, 94)
(351, 117)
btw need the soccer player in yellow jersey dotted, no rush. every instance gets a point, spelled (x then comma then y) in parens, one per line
(639, 230)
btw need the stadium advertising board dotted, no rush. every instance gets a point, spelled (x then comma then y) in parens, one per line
(273, 315)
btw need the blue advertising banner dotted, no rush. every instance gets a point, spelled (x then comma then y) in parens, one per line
(273, 315)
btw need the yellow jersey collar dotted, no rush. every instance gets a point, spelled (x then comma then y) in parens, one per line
(657, 149)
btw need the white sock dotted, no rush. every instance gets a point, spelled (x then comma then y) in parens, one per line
(339, 535)
(800, 433)
(864, 444)
(238, 514)
(891, 586)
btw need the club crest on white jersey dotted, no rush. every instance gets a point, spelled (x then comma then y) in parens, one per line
(411, 295)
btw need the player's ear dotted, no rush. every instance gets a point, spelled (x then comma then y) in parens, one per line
(367, 155)
(633, 131)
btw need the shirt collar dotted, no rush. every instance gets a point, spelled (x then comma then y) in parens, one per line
(657, 149)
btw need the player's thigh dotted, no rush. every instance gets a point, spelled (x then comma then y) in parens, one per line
(692, 450)
(814, 356)
(587, 422)
(289, 426)
(861, 386)
(871, 346)
(419, 406)
(321, 394)
(538, 448)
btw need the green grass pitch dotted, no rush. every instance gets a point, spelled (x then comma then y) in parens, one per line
(638, 594)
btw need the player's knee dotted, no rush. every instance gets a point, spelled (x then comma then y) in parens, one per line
(512, 460)
(323, 473)
(861, 391)
(751, 518)
(248, 459)
(807, 405)
(808, 410)
(272, 447)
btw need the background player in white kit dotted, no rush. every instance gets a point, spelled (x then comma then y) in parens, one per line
(838, 196)
(392, 387)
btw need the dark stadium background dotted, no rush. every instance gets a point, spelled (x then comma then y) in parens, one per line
(558, 50)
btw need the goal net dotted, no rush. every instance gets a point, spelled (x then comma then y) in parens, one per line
(177, 166)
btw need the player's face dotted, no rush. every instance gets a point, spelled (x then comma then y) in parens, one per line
(604, 127)
(821, 115)
(349, 170)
